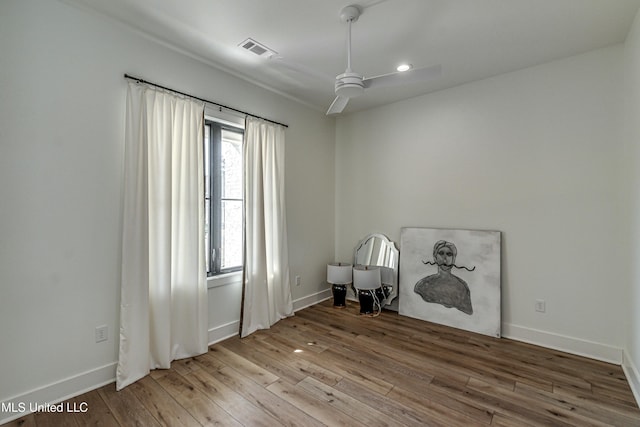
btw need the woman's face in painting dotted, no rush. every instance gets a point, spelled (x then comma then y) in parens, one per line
(445, 258)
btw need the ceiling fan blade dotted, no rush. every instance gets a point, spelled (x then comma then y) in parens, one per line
(415, 75)
(338, 105)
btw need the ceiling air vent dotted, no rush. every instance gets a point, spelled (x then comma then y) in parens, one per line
(257, 48)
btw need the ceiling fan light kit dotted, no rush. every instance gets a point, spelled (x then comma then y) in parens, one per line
(351, 84)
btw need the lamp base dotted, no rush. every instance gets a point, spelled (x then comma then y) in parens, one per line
(366, 301)
(339, 295)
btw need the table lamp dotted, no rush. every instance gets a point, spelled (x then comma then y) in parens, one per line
(367, 280)
(339, 275)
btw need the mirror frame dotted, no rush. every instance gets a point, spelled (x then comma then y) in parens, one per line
(393, 277)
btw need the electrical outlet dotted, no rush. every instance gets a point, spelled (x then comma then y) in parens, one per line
(541, 306)
(102, 333)
(297, 280)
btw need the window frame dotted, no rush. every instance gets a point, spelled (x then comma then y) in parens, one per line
(216, 127)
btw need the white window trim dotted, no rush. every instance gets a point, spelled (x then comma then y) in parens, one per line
(224, 279)
(223, 117)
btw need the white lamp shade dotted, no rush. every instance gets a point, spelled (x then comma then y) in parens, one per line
(366, 277)
(339, 274)
(386, 274)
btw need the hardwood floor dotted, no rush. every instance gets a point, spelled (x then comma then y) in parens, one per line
(334, 367)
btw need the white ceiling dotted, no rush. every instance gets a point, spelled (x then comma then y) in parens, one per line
(471, 39)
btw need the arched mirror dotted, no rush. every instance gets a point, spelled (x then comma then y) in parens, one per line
(377, 250)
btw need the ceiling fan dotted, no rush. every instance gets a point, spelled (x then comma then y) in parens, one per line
(350, 84)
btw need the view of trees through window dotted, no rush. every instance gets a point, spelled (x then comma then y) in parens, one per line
(223, 198)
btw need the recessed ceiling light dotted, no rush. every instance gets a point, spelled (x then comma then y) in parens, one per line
(404, 67)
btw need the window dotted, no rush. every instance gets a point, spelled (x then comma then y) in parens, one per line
(223, 197)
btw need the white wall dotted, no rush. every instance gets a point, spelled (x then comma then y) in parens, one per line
(62, 98)
(534, 154)
(631, 192)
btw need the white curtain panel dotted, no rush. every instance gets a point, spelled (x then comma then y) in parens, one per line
(267, 290)
(163, 310)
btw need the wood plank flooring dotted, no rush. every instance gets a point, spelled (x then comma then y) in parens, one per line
(333, 367)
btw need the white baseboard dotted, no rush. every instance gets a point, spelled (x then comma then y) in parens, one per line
(312, 299)
(231, 329)
(222, 332)
(593, 350)
(57, 392)
(633, 376)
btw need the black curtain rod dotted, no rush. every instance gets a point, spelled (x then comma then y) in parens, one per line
(139, 80)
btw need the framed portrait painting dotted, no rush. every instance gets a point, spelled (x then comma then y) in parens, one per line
(451, 277)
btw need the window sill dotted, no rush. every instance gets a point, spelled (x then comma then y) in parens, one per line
(224, 279)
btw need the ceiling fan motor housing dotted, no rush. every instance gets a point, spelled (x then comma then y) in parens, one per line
(349, 85)
(350, 13)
